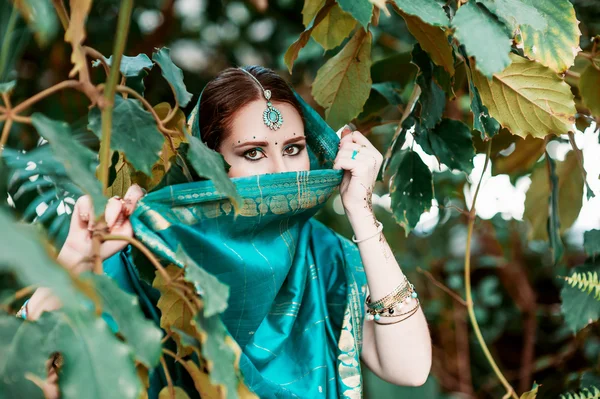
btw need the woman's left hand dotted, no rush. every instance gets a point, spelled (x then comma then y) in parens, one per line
(360, 173)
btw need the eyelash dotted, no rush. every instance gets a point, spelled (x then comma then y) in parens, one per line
(300, 148)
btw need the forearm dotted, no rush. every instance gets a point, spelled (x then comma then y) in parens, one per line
(404, 348)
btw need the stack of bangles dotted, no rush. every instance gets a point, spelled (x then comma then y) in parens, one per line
(393, 304)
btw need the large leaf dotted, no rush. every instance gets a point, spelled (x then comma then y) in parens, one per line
(291, 53)
(17, 359)
(40, 17)
(570, 195)
(528, 99)
(173, 74)
(79, 161)
(588, 87)
(210, 164)
(526, 153)
(214, 293)
(432, 39)
(7, 87)
(515, 13)
(123, 177)
(342, 85)
(134, 69)
(139, 332)
(334, 27)
(557, 45)
(451, 143)
(411, 189)
(97, 365)
(591, 242)
(429, 11)
(134, 132)
(75, 33)
(484, 38)
(579, 308)
(361, 10)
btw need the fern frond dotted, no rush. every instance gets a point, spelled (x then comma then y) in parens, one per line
(585, 393)
(585, 282)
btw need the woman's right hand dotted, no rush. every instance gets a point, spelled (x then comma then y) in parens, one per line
(77, 249)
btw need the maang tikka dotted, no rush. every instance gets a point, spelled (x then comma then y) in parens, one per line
(271, 116)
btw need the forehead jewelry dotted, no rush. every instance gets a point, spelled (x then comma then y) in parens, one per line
(271, 116)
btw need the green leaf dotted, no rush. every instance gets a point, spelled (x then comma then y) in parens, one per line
(484, 38)
(452, 144)
(17, 359)
(588, 87)
(432, 98)
(214, 293)
(333, 29)
(41, 18)
(429, 11)
(570, 195)
(514, 13)
(210, 164)
(432, 39)
(391, 91)
(591, 242)
(411, 189)
(140, 333)
(80, 162)
(173, 74)
(7, 87)
(579, 308)
(482, 121)
(179, 393)
(97, 365)
(557, 45)
(528, 99)
(135, 69)
(530, 394)
(343, 84)
(134, 132)
(291, 53)
(361, 10)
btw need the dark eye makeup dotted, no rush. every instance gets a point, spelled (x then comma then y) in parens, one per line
(300, 147)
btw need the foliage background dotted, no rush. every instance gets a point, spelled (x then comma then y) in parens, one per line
(518, 299)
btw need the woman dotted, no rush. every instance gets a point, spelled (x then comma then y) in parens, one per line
(297, 289)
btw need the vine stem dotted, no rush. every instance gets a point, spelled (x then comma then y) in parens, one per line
(180, 360)
(65, 84)
(59, 6)
(7, 124)
(111, 86)
(486, 351)
(168, 375)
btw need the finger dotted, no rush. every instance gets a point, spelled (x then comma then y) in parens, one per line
(134, 193)
(113, 211)
(347, 164)
(83, 212)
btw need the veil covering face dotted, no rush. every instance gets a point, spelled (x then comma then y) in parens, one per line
(296, 287)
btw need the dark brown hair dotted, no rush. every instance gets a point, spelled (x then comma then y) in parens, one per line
(230, 91)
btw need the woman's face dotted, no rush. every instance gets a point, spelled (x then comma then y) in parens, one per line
(252, 148)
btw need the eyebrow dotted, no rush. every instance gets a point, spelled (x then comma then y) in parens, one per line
(266, 144)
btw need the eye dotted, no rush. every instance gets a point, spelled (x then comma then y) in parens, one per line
(252, 153)
(298, 147)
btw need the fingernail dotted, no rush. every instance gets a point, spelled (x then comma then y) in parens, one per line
(351, 126)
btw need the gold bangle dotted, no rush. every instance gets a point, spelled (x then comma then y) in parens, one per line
(393, 296)
(398, 321)
(400, 314)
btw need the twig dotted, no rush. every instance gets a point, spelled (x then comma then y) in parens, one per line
(59, 6)
(92, 52)
(444, 288)
(166, 337)
(65, 84)
(509, 389)
(168, 375)
(111, 86)
(180, 360)
(5, 132)
(459, 210)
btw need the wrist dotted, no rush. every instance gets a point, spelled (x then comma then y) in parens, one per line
(360, 216)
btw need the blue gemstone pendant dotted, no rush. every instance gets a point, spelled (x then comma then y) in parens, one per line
(271, 116)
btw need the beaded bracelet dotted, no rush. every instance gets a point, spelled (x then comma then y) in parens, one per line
(399, 294)
(411, 313)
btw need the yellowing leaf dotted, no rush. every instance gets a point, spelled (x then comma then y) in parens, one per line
(292, 52)
(557, 45)
(589, 87)
(526, 153)
(179, 393)
(75, 33)
(528, 99)
(343, 84)
(334, 27)
(570, 194)
(432, 39)
(123, 180)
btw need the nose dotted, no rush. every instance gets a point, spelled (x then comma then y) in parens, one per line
(278, 165)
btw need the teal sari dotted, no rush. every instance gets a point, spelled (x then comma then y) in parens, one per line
(297, 288)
